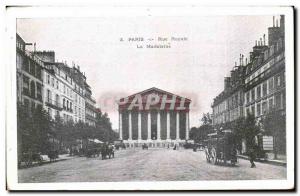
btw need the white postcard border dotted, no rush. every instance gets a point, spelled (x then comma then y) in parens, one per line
(44, 12)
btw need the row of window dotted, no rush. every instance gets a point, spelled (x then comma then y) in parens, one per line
(32, 88)
(66, 103)
(230, 103)
(66, 90)
(229, 116)
(263, 106)
(265, 88)
(52, 113)
(255, 93)
(79, 112)
(264, 67)
(31, 67)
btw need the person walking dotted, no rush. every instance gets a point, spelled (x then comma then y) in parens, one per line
(252, 155)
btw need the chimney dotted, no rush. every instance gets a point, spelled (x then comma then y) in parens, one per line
(282, 25)
(255, 42)
(264, 39)
(34, 47)
(251, 56)
(276, 23)
(261, 43)
(242, 59)
(273, 21)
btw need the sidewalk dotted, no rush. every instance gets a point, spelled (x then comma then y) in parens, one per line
(46, 160)
(61, 157)
(262, 160)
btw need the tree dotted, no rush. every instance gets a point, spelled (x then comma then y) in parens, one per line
(104, 129)
(200, 134)
(59, 130)
(274, 124)
(206, 119)
(251, 129)
(23, 128)
(245, 128)
(41, 130)
(34, 129)
(238, 129)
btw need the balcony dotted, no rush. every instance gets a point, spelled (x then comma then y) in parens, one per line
(54, 104)
(90, 117)
(68, 109)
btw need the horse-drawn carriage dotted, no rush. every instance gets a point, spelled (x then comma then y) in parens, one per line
(107, 150)
(30, 157)
(94, 150)
(221, 147)
(119, 144)
(145, 146)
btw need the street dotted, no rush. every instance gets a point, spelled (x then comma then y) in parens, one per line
(148, 165)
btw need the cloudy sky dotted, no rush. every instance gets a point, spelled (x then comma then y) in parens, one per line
(194, 68)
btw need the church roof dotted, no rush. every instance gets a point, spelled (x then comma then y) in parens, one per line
(157, 90)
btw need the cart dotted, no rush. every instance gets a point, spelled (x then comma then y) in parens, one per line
(221, 147)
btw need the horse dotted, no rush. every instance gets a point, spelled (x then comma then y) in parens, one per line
(53, 155)
(111, 151)
(107, 150)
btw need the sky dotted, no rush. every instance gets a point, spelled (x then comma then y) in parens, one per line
(194, 68)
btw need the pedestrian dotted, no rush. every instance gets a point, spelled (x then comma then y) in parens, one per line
(252, 155)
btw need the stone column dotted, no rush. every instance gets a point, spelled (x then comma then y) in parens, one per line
(149, 126)
(177, 126)
(168, 125)
(120, 126)
(139, 126)
(158, 125)
(187, 125)
(129, 126)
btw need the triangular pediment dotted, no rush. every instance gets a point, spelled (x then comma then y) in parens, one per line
(154, 91)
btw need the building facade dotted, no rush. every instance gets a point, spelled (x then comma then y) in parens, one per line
(79, 80)
(228, 106)
(29, 76)
(265, 75)
(58, 88)
(262, 83)
(90, 107)
(155, 117)
(58, 84)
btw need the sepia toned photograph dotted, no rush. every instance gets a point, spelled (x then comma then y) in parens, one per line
(149, 96)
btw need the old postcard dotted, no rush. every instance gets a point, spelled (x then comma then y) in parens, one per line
(150, 98)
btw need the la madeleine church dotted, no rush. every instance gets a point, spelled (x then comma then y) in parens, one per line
(155, 117)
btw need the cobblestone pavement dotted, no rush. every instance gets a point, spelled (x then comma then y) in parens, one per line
(148, 165)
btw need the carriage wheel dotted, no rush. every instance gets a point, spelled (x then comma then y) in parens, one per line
(214, 158)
